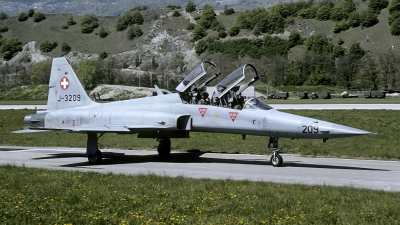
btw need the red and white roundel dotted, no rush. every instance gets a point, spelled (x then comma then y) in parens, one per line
(64, 83)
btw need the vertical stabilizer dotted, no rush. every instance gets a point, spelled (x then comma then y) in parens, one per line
(65, 90)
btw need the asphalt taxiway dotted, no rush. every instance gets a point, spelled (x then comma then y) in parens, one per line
(370, 174)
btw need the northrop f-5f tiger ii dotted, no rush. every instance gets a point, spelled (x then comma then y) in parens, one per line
(175, 115)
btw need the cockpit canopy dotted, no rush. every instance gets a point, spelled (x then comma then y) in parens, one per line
(256, 104)
(203, 74)
(227, 93)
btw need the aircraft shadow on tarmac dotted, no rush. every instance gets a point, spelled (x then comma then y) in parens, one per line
(112, 158)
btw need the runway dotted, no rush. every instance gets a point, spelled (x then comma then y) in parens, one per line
(370, 174)
(276, 106)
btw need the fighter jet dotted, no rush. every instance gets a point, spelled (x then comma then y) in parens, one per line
(175, 115)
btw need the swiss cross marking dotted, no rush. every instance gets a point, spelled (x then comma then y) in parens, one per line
(203, 111)
(233, 115)
(64, 83)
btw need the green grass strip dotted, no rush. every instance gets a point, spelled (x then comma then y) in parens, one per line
(38, 196)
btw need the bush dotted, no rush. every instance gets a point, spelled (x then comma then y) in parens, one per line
(130, 18)
(89, 23)
(71, 21)
(103, 55)
(3, 28)
(22, 16)
(31, 12)
(9, 46)
(190, 7)
(395, 27)
(48, 45)
(102, 32)
(176, 14)
(65, 47)
(234, 30)
(190, 26)
(3, 16)
(37, 17)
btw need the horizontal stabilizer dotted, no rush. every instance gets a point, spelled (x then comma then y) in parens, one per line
(24, 131)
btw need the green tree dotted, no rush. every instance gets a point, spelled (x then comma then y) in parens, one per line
(70, 21)
(3, 28)
(308, 13)
(31, 12)
(89, 23)
(394, 6)
(395, 27)
(190, 26)
(103, 55)
(190, 7)
(65, 48)
(129, 18)
(295, 39)
(354, 19)
(22, 16)
(176, 14)
(207, 17)
(40, 73)
(355, 49)
(138, 31)
(130, 34)
(323, 13)
(378, 5)
(228, 11)
(102, 32)
(3, 16)
(338, 51)
(368, 18)
(38, 16)
(341, 26)
(9, 46)
(154, 63)
(137, 61)
(199, 32)
(200, 47)
(87, 74)
(368, 75)
(48, 45)
(233, 31)
(318, 43)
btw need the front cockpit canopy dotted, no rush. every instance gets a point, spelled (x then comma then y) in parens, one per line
(256, 104)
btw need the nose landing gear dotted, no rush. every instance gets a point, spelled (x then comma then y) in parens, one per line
(276, 158)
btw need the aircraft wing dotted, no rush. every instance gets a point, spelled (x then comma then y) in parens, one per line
(85, 128)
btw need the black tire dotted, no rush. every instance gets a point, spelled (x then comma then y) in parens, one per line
(277, 160)
(96, 158)
(164, 147)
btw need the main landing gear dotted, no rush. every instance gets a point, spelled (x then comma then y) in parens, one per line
(276, 158)
(92, 151)
(164, 147)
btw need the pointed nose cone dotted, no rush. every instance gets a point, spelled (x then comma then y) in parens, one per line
(345, 131)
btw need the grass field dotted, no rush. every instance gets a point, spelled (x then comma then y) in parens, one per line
(37, 196)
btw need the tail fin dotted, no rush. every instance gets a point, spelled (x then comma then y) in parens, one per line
(65, 90)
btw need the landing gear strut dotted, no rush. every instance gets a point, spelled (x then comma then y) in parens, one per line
(276, 158)
(164, 147)
(92, 151)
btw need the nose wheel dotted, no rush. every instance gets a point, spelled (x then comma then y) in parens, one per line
(276, 159)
